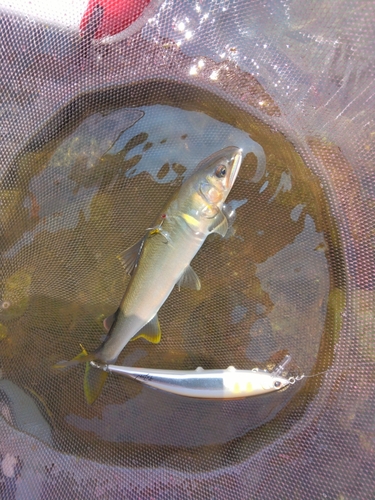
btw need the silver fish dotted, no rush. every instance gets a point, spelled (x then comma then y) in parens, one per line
(161, 260)
(208, 384)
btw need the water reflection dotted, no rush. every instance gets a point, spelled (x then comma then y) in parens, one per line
(59, 193)
(174, 135)
(172, 422)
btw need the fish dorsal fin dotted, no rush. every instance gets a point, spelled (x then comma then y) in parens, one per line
(189, 279)
(151, 331)
(108, 321)
(219, 225)
(129, 257)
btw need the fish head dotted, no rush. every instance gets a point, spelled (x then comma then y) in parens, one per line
(202, 196)
(215, 177)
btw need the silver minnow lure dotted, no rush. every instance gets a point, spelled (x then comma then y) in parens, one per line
(208, 384)
(161, 259)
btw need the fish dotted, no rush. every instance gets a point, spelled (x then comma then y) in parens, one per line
(161, 259)
(206, 384)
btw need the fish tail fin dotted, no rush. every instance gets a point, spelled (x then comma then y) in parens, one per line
(94, 378)
(93, 383)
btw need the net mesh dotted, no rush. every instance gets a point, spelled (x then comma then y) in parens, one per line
(96, 135)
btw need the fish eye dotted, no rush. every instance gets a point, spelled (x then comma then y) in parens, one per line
(221, 171)
(277, 383)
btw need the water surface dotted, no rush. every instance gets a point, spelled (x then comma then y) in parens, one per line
(88, 194)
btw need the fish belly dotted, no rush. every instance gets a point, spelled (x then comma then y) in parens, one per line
(159, 269)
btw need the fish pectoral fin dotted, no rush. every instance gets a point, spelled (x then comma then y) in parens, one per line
(129, 257)
(189, 279)
(219, 225)
(151, 331)
(109, 320)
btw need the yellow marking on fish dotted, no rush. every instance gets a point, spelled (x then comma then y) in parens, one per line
(189, 219)
(249, 387)
(155, 231)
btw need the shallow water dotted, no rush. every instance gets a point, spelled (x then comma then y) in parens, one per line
(83, 197)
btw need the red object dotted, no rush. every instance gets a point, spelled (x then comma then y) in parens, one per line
(117, 15)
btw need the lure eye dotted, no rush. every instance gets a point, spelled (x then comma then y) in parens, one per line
(277, 383)
(221, 171)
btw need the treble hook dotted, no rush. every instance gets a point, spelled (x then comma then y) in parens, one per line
(158, 229)
(281, 368)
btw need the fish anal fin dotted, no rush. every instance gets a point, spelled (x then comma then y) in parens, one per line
(219, 225)
(189, 279)
(129, 257)
(151, 331)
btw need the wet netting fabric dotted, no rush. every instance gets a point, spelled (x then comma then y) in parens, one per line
(98, 128)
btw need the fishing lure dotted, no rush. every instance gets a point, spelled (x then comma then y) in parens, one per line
(208, 384)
